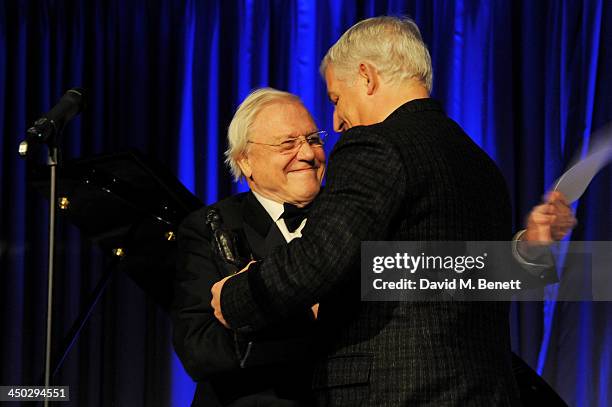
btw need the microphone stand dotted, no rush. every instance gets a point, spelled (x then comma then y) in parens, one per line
(47, 130)
(52, 162)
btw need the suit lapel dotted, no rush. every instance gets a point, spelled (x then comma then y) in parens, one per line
(261, 232)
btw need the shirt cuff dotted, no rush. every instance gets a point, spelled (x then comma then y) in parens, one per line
(541, 266)
(238, 305)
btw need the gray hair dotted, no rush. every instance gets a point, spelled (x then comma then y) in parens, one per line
(239, 129)
(392, 44)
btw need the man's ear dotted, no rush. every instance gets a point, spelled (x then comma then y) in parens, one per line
(245, 166)
(369, 73)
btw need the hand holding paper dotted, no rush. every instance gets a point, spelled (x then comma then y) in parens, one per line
(552, 220)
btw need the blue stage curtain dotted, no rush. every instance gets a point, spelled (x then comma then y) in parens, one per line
(530, 81)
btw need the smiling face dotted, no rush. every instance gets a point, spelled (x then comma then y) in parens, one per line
(294, 177)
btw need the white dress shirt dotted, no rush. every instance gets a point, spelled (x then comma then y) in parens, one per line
(275, 210)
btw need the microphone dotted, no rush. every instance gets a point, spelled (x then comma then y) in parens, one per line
(45, 129)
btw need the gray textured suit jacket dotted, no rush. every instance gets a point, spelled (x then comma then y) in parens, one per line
(416, 176)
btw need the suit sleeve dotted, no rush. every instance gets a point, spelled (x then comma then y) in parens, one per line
(366, 186)
(204, 346)
(542, 269)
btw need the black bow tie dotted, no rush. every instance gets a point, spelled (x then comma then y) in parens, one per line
(294, 216)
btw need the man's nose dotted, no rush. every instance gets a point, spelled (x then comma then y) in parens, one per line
(305, 152)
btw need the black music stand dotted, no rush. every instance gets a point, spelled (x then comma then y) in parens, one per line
(129, 205)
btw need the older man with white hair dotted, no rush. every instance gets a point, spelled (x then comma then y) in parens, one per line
(276, 146)
(402, 171)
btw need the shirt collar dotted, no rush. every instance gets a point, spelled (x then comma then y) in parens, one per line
(274, 209)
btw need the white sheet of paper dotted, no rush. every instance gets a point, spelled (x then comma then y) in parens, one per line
(575, 181)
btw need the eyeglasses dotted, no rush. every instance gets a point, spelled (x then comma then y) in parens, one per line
(290, 144)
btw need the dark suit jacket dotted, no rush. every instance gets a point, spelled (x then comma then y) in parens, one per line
(417, 177)
(277, 370)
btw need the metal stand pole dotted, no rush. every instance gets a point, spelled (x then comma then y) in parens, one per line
(53, 158)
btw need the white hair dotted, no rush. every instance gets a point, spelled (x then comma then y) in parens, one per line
(239, 129)
(392, 44)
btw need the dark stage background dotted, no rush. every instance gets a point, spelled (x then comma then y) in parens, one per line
(528, 80)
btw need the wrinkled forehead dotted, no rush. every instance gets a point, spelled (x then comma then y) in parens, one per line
(335, 78)
(282, 119)
(330, 77)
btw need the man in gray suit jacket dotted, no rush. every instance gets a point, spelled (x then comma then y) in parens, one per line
(402, 171)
